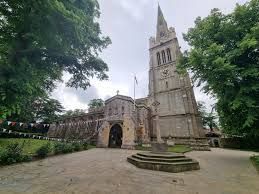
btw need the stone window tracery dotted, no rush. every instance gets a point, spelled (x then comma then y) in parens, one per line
(122, 110)
(169, 57)
(158, 58)
(163, 57)
(110, 112)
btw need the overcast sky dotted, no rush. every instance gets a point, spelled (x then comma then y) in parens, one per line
(129, 24)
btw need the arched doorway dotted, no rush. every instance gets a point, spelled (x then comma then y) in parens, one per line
(115, 137)
(216, 143)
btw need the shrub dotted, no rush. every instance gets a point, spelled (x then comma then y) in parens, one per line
(13, 153)
(58, 147)
(85, 145)
(62, 148)
(255, 161)
(43, 151)
(76, 146)
(68, 148)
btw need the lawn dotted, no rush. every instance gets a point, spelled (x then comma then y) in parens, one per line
(91, 146)
(30, 145)
(255, 161)
(175, 148)
(179, 149)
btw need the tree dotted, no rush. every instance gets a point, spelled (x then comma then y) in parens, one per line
(39, 40)
(96, 103)
(44, 109)
(76, 112)
(72, 113)
(209, 119)
(224, 55)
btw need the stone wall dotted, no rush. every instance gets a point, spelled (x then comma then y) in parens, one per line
(134, 122)
(77, 127)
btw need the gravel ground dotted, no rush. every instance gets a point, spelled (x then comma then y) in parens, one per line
(107, 171)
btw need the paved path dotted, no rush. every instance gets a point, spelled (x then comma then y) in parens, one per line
(107, 171)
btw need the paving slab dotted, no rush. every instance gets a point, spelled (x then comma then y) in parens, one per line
(107, 171)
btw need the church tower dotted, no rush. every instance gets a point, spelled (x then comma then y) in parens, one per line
(178, 115)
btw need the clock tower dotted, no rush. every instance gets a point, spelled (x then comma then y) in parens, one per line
(177, 111)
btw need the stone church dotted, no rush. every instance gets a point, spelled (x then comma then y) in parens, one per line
(170, 105)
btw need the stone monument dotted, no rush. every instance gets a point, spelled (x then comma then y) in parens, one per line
(159, 145)
(159, 158)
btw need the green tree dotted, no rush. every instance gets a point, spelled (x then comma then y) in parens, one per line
(42, 109)
(39, 40)
(209, 119)
(96, 103)
(76, 112)
(224, 56)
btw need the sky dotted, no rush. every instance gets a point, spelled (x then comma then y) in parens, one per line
(130, 24)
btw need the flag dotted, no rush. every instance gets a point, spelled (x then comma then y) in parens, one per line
(136, 79)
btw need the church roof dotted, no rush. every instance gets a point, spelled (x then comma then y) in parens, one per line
(119, 97)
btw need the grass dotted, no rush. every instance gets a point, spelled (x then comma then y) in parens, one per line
(30, 145)
(91, 146)
(255, 161)
(175, 148)
(179, 148)
(33, 149)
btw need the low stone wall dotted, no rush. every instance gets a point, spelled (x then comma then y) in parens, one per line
(200, 144)
(248, 142)
(231, 142)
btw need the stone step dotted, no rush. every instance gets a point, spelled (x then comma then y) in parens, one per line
(165, 166)
(199, 144)
(164, 155)
(171, 160)
(164, 163)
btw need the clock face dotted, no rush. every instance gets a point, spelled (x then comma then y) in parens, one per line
(165, 73)
(162, 34)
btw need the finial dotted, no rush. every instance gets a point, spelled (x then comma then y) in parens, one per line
(117, 92)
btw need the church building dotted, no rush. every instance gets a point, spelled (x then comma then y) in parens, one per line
(169, 106)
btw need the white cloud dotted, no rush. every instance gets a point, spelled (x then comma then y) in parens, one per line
(69, 100)
(108, 88)
(129, 23)
(134, 8)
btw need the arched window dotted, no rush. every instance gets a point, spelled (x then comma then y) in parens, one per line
(166, 84)
(158, 58)
(169, 54)
(122, 110)
(163, 57)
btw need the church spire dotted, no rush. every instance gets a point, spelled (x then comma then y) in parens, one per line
(161, 26)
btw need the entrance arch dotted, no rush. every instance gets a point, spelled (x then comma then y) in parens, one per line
(115, 136)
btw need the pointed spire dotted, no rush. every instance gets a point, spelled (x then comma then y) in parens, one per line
(160, 13)
(161, 26)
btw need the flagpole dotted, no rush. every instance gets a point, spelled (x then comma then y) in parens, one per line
(134, 92)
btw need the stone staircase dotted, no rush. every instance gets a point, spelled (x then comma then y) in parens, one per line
(199, 144)
(168, 162)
